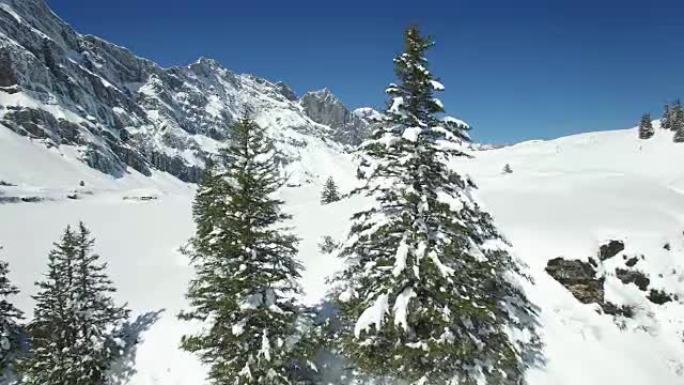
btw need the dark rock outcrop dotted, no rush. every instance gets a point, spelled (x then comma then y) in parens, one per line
(633, 276)
(286, 91)
(613, 309)
(659, 297)
(631, 262)
(579, 278)
(610, 249)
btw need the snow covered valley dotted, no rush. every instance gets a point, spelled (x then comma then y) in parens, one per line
(565, 198)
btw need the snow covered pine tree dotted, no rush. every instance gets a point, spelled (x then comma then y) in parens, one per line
(76, 323)
(646, 127)
(670, 114)
(428, 291)
(10, 331)
(246, 271)
(677, 121)
(330, 193)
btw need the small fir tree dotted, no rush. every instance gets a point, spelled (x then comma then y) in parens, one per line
(328, 245)
(646, 127)
(330, 193)
(428, 292)
(75, 332)
(674, 114)
(678, 126)
(507, 169)
(245, 269)
(666, 120)
(10, 317)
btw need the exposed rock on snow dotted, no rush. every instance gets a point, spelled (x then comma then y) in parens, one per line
(579, 278)
(633, 276)
(610, 249)
(587, 280)
(660, 297)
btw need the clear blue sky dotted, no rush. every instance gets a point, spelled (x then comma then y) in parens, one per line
(515, 70)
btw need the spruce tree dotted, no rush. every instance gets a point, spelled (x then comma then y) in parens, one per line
(330, 193)
(646, 127)
(674, 114)
(10, 316)
(245, 268)
(678, 123)
(666, 120)
(507, 169)
(429, 290)
(75, 331)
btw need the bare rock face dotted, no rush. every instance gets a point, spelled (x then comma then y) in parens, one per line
(583, 281)
(286, 91)
(610, 249)
(636, 277)
(660, 297)
(579, 278)
(323, 107)
(125, 111)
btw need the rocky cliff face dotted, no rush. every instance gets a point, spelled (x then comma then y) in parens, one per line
(123, 111)
(323, 107)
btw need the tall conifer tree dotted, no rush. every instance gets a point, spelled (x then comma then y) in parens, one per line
(678, 126)
(646, 127)
(10, 316)
(75, 331)
(245, 286)
(429, 289)
(671, 116)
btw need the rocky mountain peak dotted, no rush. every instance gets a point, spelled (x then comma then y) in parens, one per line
(286, 91)
(121, 111)
(323, 107)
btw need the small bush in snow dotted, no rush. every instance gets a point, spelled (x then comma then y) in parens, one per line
(328, 245)
(330, 193)
(646, 127)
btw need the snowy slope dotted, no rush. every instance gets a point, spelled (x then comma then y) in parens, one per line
(564, 199)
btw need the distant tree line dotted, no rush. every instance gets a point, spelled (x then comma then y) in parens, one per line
(672, 120)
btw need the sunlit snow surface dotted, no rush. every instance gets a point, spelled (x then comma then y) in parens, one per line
(564, 198)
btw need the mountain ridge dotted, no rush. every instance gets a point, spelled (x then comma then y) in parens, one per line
(123, 110)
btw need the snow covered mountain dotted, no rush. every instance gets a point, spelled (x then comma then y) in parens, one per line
(125, 111)
(325, 108)
(90, 132)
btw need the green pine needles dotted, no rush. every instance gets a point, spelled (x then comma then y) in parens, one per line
(75, 333)
(10, 328)
(428, 293)
(245, 286)
(330, 193)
